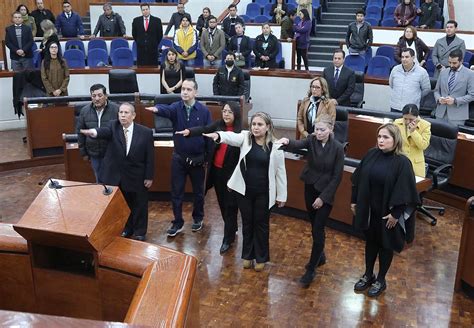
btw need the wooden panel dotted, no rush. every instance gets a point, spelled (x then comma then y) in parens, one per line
(117, 290)
(465, 268)
(463, 164)
(17, 292)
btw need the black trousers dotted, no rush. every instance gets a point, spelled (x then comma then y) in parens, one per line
(137, 223)
(255, 226)
(302, 53)
(318, 219)
(227, 203)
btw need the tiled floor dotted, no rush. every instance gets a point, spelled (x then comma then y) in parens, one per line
(12, 147)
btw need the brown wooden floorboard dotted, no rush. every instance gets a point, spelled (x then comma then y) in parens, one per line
(420, 281)
(12, 146)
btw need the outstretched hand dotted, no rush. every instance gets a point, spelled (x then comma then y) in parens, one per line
(214, 136)
(184, 132)
(283, 141)
(152, 109)
(88, 132)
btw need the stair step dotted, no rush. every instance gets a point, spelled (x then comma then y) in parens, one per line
(338, 15)
(328, 49)
(337, 21)
(331, 28)
(324, 34)
(320, 63)
(319, 56)
(326, 41)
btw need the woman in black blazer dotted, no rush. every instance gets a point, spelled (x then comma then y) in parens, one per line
(321, 175)
(266, 48)
(410, 40)
(224, 160)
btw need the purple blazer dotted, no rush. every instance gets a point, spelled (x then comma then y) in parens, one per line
(302, 31)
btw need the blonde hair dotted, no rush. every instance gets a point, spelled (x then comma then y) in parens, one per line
(326, 119)
(324, 88)
(269, 136)
(394, 132)
(48, 28)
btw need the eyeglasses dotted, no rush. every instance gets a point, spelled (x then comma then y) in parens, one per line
(226, 111)
(315, 87)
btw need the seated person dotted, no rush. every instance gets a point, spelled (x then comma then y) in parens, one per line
(416, 134)
(317, 102)
(266, 48)
(241, 46)
(229, 79)
(212, 44)
(186, 42)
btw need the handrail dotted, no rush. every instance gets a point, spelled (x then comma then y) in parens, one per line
(451, 11)
(223, 15)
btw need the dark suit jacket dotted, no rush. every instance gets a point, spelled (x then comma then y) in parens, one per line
(12, 43)
(147, 42)
(232, 86)
(271, 51)
(245, 45)
(127, 171)
(324, 165)
(344, 88)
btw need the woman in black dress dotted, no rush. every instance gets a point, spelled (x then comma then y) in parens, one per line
(321, 175)
(384, 199)
(224, 160)
(50, 35)
(172, 74)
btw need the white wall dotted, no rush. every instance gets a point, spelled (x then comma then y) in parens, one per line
(429, 37)
(464, 11)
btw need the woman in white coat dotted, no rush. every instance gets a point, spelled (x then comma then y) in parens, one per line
(259, 180)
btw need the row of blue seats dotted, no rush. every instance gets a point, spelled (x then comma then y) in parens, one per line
(394, 3)
(316, 3)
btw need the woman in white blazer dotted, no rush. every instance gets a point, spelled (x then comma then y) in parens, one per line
(259, 180)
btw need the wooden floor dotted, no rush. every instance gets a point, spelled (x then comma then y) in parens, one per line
(420, 282)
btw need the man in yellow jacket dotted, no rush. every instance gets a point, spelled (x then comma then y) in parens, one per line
(416, 134)
(185, 42)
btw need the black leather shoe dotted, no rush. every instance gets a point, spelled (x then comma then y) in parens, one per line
(377, 288)
(322, 261)
(307, 278)
(225, 247)
(364, 283)
(139, 238)
(126, 234)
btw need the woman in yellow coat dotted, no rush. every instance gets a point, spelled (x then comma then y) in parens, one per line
(416, 134)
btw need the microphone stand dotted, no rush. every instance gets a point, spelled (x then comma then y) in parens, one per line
(56, 185)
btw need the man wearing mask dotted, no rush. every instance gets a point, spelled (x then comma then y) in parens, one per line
(445, 45)
(68, 23)
(241, 46)
(229, 79)
(212, 44)
(109, 24)
(228, 25)
(40, 14)
(176, 18)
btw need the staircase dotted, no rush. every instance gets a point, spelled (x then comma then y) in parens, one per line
(332, 30)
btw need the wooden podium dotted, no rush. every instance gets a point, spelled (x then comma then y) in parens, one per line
(66, 259)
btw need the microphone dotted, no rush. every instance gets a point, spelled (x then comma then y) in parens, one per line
(54, 184)
(107, 190)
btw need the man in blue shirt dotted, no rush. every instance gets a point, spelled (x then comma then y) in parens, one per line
(68, 23)
(190, 154)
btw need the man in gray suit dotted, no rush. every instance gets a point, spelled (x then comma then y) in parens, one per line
(445, 45)
(454, 90)
(212, 43)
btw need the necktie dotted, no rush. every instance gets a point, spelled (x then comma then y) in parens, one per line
(146, 24)
(336, 76)
(188, 110)
(452, 77)
(125, 133)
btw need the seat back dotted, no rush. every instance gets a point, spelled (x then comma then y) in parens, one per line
(373, 21)
(123, 81)
(118, 43)
(97, 57)
(75, 58)
(428, 104)
(388, 22)
(388, 12)
(253, 9)
(75, 44)
(355, 62)
(246, 85)
(122, 57)
(379, 66)
(260, 19)
(96, 44)
(341, 126)
(442, 144)
(267, 8)
(387, 51)
(357, 97)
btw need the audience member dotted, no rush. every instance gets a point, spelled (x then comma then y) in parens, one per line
(259, 180)
(384, 203)
(318, 102)
(405, 13)
(278, 11)
(241, 46)
(172, 74)
(54, 72)
(68, 23)
(228, 25)
(428, 12)
(224, 161)
(359, 35)
(177, 17)
(321, 175)
(305, 4)
(212, 44)
(129, 164)
(50, 35)
(266, 48)
(416, 134)
(203, 20)
(229, 79)
(445, 45)
(40, 14)
(19, 40)
(28, 20)
(287, 32)
(109, 24)
(340, 79)
(302, 31)
(147, 32)
(409, 82)
(95, 115)
(186, 42)
(454, 90)
(412, 41)
(189, 156)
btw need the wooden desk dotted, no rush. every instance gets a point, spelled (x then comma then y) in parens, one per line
(465, 269)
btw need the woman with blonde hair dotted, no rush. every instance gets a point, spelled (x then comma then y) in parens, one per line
(50, 35)
(317, 102)
(384, 199)
(259, 182)
(172, 73)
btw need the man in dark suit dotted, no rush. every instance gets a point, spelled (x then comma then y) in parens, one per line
(68, 23)
(228, 25)
(241, 46)
(40, 14)
(19, 40)
(129, 164)
(147, 31)
(341, 79)
(229, 79)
